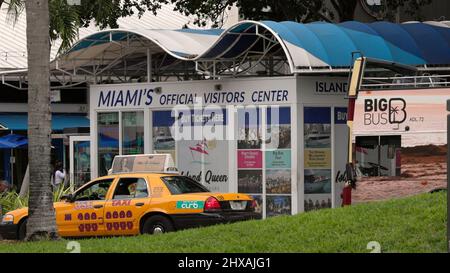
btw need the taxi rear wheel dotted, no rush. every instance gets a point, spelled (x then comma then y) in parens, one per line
(157, 224)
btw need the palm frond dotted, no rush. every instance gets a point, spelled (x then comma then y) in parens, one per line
(64, 23)
(15, 9)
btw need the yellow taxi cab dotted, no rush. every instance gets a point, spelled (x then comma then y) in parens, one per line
(141, 195)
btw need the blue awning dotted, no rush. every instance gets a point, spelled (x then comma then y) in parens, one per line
(59, 121)
(314, 45)
(13, 141)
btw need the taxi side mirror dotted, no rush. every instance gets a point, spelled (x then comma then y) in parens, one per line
(68, 198)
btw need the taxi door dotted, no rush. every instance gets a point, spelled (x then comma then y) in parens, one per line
(130, 200)
(84, 215)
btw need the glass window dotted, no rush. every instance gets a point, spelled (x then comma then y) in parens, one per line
(182, 184)
(95, 191)
(81, 162)
(163, 142)
(131, 188)
(108, 140)
(132, 133)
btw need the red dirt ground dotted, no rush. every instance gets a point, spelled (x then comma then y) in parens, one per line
(424, 168)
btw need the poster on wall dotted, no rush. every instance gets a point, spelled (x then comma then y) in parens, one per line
(278, 181)
(249, 154)
(278, 132)
(317, 201)
(277, 159)
(249, 159)
(317, 157)
(278, 205)
(249, 128)
(259, 203)
(317, 181)
(250, 181)
(201, 158)
(264, 157)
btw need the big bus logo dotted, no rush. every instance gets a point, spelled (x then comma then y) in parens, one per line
(384, 111)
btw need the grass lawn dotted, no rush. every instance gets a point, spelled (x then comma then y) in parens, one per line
(415, 224)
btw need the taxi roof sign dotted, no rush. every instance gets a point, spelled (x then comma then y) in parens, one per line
(154, 163)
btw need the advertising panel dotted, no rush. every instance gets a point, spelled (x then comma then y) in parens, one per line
(317, 201)
(395, 127)
(202, 157)
(278, 161)
(278, 205)
(249, 159)
(418, 115)
(317, 157)
(250, 181)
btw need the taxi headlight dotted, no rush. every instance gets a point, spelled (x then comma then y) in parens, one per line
(8, 219)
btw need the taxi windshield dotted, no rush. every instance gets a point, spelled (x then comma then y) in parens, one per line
(182, 184)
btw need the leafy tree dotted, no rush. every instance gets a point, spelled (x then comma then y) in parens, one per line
(66, 19)
(290, 10)
(48, 20)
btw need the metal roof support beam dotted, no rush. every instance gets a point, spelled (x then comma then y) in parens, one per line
(10, 85)
(149, 66)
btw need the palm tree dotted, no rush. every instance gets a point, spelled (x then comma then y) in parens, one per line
(47, 21)
(41, 222)
(41, 213)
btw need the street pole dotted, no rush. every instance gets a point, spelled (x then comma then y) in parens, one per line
(448, 176)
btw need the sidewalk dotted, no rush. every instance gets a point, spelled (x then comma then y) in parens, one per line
(420, 173)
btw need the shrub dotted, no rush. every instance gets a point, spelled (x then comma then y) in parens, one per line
(11, 200)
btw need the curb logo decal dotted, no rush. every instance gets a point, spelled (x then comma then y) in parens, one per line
(190, 204)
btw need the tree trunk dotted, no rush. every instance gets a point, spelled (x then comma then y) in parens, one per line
(41, 220)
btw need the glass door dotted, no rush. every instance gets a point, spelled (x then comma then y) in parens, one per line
(80, 161)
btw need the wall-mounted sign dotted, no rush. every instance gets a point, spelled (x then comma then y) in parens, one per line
(416, 114)
(55, 95)
(238, 92)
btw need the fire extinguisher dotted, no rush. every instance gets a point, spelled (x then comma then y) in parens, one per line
(349, 185)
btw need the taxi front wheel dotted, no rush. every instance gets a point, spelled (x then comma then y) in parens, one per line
(157, 224)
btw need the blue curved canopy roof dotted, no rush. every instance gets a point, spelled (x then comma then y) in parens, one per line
(313, 45)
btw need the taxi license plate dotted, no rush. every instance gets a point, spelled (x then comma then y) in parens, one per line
(238, 205)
